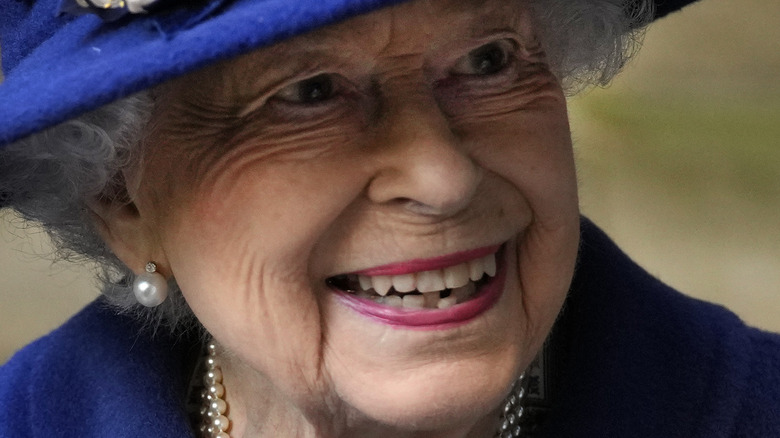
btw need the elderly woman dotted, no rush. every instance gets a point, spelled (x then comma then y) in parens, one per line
(344, 218)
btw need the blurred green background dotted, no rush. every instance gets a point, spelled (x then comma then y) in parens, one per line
(679, 161)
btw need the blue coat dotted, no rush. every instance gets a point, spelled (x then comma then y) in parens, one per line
(634, 359)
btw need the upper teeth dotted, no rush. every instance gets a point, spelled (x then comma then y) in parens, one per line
(437, 280)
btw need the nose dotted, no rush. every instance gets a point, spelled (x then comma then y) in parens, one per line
(423, 167)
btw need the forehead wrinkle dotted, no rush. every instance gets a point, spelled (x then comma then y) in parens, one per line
(381, 29)
(377, 34)
(495, 20)
(467, 19)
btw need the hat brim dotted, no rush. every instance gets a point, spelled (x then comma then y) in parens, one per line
(88, 63)
(83, 63)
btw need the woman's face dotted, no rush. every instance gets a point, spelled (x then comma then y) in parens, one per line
(285, 189)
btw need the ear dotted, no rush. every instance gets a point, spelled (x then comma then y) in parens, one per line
(128, 234)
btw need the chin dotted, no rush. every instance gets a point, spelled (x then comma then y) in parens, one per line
(421, 374)
(447, 397)
(421, 385)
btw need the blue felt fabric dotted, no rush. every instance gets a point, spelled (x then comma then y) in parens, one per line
(642, 361)
(60, 66)
(647, 361)
(95, 377)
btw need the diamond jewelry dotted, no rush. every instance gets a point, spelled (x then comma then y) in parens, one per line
(213, 412)
(150, 288)
(513, 411)
(133, 6)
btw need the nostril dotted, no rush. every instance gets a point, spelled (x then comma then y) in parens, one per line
(417, 207)
(422, 166)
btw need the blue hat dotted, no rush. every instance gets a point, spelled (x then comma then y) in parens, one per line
(62, 58)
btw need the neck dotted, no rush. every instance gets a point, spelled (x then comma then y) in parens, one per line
(271, 425)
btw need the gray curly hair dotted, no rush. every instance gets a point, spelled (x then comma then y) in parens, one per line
(50, 177)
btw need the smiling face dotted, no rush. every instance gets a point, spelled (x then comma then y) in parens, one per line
(288, 189)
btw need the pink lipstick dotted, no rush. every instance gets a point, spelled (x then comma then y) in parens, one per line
(489, 291)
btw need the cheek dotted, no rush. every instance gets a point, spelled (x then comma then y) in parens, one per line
(271, 202)
(239, 244)
(257, 221)
(532, 151)
(522, 134)
(243, 280)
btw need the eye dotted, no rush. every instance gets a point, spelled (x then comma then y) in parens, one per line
(309, 91)
(487, 60)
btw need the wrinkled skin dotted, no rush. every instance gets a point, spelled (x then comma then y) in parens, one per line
(256, 185)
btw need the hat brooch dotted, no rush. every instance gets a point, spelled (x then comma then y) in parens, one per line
(132, 6)
(108, 10)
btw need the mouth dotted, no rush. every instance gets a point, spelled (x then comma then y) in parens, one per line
(432, 289)
(426, 293)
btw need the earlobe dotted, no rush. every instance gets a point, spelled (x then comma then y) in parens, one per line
(126, 233)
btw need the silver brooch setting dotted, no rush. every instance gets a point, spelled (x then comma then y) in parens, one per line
(131, 6)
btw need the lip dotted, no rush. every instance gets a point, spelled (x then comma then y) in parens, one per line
(435, 319)
(420, 265)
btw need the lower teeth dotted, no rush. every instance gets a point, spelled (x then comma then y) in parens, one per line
(431, 300)
(415, 300)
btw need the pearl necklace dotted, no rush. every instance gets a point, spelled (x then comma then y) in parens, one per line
(214, 410)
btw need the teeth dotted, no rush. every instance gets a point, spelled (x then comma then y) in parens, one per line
(456, 276)
(489, 264)
(382, 284)
(464, 292)
(364, 294)
(414, 301)
(404, 283)
(446, 303)
(430, 281)
(365, 282)
(476, 269)
(431, 300)
(459, 279)
(394, 301)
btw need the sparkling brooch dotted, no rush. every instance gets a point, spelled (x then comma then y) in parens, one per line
(132, 6)
(109, 10)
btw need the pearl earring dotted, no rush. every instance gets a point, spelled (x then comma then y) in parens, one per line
(150, 288)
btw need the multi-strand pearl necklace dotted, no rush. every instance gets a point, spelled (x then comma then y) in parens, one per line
(214, 409)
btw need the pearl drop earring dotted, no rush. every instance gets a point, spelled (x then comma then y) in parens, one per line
(151, 288)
